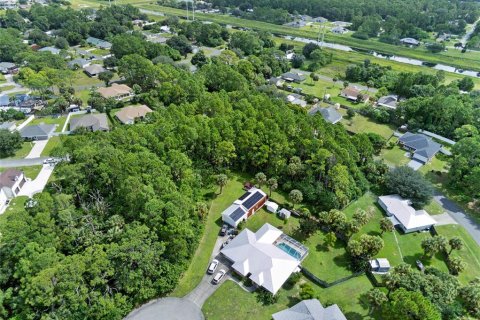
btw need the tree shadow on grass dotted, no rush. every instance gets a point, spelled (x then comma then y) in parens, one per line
(210, 195)
(292, 301)
(342, 261)
(321, 247)
(353, 316)
(219, 222)
(375, 233)
(412, 259)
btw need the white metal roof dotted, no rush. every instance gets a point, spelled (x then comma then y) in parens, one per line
(405, 213)
(256, 254)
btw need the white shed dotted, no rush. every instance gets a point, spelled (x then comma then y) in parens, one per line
(271, 206)
(284, 213)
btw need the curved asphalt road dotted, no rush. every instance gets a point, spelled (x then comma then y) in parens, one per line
(459, 215)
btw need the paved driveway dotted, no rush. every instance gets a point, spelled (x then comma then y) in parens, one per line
(37, 149)
(460, 216)
(444, 219)
(167, 309)
(37, 185)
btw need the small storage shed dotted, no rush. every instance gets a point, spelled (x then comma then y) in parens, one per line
(271, 206)
(380, 265)
(284, 213)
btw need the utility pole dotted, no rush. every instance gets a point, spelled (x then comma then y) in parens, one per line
(193, 9)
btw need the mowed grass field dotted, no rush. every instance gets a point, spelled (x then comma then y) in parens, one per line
(361, 124)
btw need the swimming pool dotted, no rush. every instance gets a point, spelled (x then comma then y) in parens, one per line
(289, 250)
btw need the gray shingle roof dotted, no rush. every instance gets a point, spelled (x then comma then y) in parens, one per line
(423, 146)
(310, 310)
(293, 76)
(92, 122)
(40, 130)
(329, 114)
(94, 69)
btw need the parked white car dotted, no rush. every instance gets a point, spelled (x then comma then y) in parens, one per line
(212, 267)
(219, 276)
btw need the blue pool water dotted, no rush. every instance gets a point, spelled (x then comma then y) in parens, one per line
(289, 250)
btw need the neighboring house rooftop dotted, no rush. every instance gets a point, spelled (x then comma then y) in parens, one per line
(340, 30)
(99, 43)
(52, 50)
(7, 126)
(424, 148)
(4, 100)
(293, 76)
(310, 310)
(405, 213)
(296, 99)
(410, 41)
(330, 114)
(352, 93)
(37, 130)
(263, 257)
(94, 69)
(94, 122)
(128, 114)
(116, 90)
(390, 101)
(9, 177)
(77, 62)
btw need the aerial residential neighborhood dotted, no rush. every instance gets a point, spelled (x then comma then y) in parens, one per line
(271, 160)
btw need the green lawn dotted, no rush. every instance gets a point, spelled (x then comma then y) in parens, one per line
(435, 164)
(361, 124)
(327, 264)
(470, 252)
(53, 142)
(394, 156)
(6, 88)
(434, 208)
(368, 202)
(230, 302)
(17, 203)
(84, 95)
(59, 121)
(2, 78)
(81, 79)
(23, 151)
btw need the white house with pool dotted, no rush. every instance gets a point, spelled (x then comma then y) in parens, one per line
(268, 257)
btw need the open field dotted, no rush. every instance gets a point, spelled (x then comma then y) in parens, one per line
(361, 124)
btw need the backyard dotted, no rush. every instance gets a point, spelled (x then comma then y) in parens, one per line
(361, 124)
